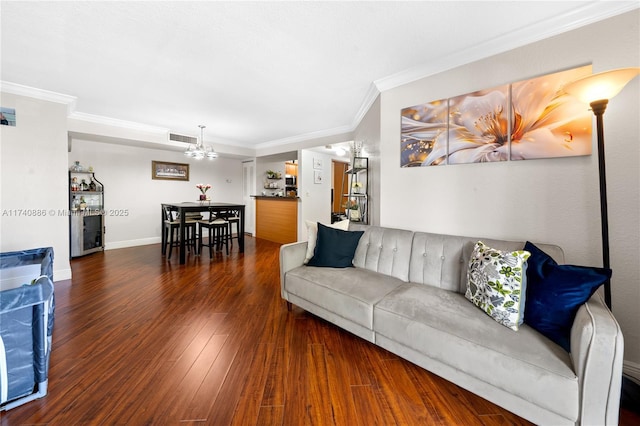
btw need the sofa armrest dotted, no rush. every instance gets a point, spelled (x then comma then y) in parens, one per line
(597, 348)
(291, 256)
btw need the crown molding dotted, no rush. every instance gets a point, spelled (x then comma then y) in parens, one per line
(578, 17)
(44, 95)
(305, 137)
(369, 98)
(114, 122)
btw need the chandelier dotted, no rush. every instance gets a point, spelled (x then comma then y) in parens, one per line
(200, 150)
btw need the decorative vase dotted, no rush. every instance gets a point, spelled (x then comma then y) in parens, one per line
(203, 197)
(76, 167)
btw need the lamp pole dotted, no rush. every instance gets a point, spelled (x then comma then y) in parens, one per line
(598, 108)
(602, 87)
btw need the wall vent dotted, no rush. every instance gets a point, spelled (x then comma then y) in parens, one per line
(182, 138)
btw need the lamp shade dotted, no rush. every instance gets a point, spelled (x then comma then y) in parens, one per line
(601, 86)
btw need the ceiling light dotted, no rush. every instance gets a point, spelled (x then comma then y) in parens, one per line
(200, 149)
(339, 151)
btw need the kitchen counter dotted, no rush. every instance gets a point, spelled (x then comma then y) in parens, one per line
(275, 197)
(277, 218)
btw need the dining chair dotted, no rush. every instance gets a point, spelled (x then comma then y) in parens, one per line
(217, 233)
(172, 231)
(232, 216)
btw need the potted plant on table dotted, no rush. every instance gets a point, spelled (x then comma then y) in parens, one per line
(203, 189)
(273, 175)
(353, 210)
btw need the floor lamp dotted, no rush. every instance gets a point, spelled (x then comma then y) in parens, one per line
(597, 90)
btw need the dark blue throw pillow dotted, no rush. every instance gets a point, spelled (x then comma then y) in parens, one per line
(335, 248)
(555, 292)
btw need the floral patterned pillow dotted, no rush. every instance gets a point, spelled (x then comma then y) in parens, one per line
(496, 283)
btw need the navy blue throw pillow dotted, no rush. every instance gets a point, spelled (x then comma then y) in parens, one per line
(335, 248)
(555, 292)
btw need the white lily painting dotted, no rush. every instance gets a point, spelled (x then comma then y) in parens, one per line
(529, 119)
(479, 126)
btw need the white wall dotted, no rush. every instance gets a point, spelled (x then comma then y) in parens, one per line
(552, 201)
(33, 180)
(316, 197)
(125, 173)
(368, 131)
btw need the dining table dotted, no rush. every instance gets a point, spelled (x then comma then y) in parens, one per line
(202, 206)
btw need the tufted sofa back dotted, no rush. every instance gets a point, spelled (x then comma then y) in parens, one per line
(438, 260)
(384, 250)
(425, 258)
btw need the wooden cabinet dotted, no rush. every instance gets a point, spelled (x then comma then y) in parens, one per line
(291, 169)
(277, 219)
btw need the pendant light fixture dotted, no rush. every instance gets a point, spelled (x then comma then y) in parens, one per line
(201, 150)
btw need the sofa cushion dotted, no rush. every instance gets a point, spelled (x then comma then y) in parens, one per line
(554, 250)
(312, 235)
(555, 292)
(349, 292)
(334, 248)
(444, 326)
(496, 283)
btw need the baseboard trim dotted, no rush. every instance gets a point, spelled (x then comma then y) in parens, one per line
(132, 243)
(141, 242)
(61, 274)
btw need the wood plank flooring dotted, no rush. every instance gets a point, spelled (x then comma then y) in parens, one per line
(142, 340)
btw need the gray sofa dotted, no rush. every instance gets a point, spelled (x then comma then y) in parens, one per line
(406, 294)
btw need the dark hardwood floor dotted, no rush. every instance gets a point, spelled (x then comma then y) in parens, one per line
(142, 340)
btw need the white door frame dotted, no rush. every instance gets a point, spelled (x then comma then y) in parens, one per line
(249, 189)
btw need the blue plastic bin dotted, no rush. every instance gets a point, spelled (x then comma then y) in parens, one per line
(26, 325)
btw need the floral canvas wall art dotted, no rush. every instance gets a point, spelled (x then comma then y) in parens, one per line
(478, 126)
(528, 119)
(424, 134)
(546, 122)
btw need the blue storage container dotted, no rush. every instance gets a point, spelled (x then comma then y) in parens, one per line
(26, 325)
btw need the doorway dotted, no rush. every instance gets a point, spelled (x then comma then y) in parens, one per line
(249, 188)
(339, 187)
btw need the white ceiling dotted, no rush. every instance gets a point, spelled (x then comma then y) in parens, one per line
(260, 73)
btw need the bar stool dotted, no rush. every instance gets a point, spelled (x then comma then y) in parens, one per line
(172, 232)
(232, 217)
(217, 232)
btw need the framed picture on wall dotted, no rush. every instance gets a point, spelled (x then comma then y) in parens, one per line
(7, 116)
(317, 163)
(169, 171)
(317, 176)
